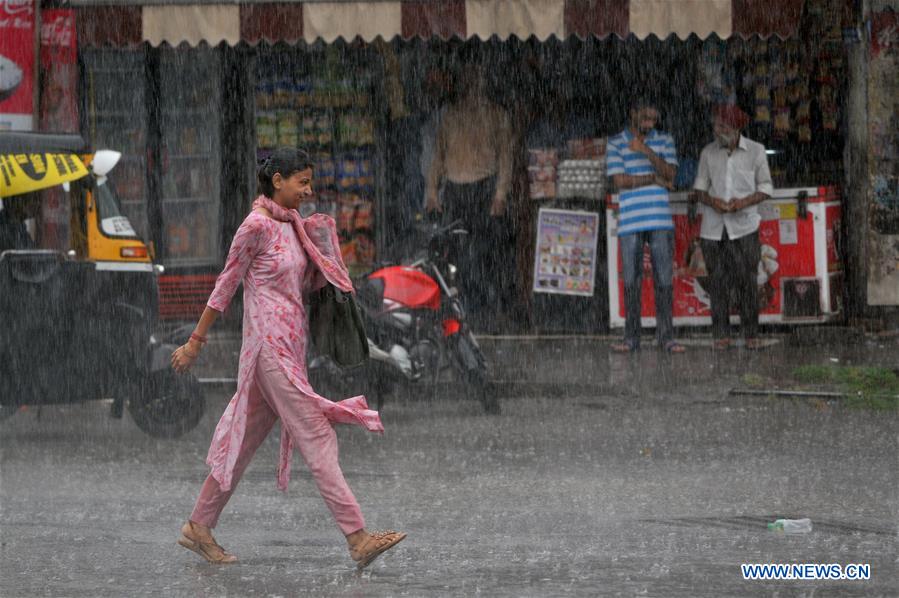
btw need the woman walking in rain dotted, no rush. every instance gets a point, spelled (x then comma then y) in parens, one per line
(279, 257)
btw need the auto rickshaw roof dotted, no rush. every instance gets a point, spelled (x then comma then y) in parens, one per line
(34, 161)
(39, 143)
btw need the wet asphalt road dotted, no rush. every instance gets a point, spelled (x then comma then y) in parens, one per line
(661, 488)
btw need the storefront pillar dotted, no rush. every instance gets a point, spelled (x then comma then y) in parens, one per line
(152, 92)
(855, 227)
(882, 139)
(238, 166)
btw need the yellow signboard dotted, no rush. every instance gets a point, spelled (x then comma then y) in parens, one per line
(23, 173)
(788, 211)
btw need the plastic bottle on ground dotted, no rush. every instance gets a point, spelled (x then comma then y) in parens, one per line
(791, 526)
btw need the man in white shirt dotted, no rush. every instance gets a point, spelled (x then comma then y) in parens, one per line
(733, 178)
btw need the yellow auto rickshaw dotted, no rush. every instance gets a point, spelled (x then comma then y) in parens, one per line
(77, 322)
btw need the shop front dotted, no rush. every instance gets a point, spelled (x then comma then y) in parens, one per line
(196, 94)
(327, 99)
(793, 89)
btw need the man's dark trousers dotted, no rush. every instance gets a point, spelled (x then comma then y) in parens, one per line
(485, 259)
(732, 266)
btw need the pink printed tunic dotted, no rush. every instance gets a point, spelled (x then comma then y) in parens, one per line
(278, 259)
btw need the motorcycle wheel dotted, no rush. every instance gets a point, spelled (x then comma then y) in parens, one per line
(474, 369)
(485, 394)
(168, 404)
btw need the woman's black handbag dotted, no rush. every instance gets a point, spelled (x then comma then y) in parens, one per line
(336, 327)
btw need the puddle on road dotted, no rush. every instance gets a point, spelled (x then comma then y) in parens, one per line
(759, 523)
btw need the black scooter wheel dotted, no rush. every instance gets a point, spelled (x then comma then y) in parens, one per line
(168, 404)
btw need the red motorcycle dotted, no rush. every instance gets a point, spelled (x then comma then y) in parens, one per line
(415, 322)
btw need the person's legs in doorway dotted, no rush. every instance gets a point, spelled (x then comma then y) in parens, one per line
(489, 255)
(661, 246)
(747, 253)
(632, 272)
(715, 254)
(479, 257)
(504, 278)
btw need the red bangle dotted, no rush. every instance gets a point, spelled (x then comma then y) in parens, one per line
(196, 337)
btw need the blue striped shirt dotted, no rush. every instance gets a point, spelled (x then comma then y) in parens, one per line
(641, 208)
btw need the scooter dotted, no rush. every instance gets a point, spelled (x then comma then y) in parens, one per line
(415, 321)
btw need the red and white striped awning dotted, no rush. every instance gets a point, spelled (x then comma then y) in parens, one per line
(252, 22)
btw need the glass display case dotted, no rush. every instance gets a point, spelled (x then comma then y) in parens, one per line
(118, 121)
(322, 100)
(190, 159)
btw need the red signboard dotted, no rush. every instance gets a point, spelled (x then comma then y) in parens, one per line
(59, 71)
(16, 64)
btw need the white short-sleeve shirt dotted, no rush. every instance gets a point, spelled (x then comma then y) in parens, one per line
(731, 176)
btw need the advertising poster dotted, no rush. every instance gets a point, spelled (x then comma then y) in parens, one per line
(16, 64)
(59, 109)
(565, 261)
(59, 68)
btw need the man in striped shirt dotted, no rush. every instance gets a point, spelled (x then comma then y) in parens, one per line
(642, 162)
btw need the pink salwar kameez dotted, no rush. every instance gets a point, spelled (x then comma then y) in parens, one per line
(278, 260)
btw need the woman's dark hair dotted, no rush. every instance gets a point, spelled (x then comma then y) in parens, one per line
(286, 160)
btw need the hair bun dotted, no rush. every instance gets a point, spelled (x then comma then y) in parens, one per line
(284, 160)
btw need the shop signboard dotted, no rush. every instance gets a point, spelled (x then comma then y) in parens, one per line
(59, 63)
(565, 261)
(16, 64)
(800, 273)
(59, 108)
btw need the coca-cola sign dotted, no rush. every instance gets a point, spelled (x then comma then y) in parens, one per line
(58, 30)
(59, 64)
(16, 7)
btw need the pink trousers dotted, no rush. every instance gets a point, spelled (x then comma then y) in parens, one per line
(273, 396)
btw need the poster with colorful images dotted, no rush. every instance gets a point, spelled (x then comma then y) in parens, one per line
(16, 64)
(565, 261)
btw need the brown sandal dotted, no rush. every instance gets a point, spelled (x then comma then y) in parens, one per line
(369, 549)
(211, 551)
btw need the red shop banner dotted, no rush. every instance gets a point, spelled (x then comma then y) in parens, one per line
(59, 109)
(59, 71)
(16, 64)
